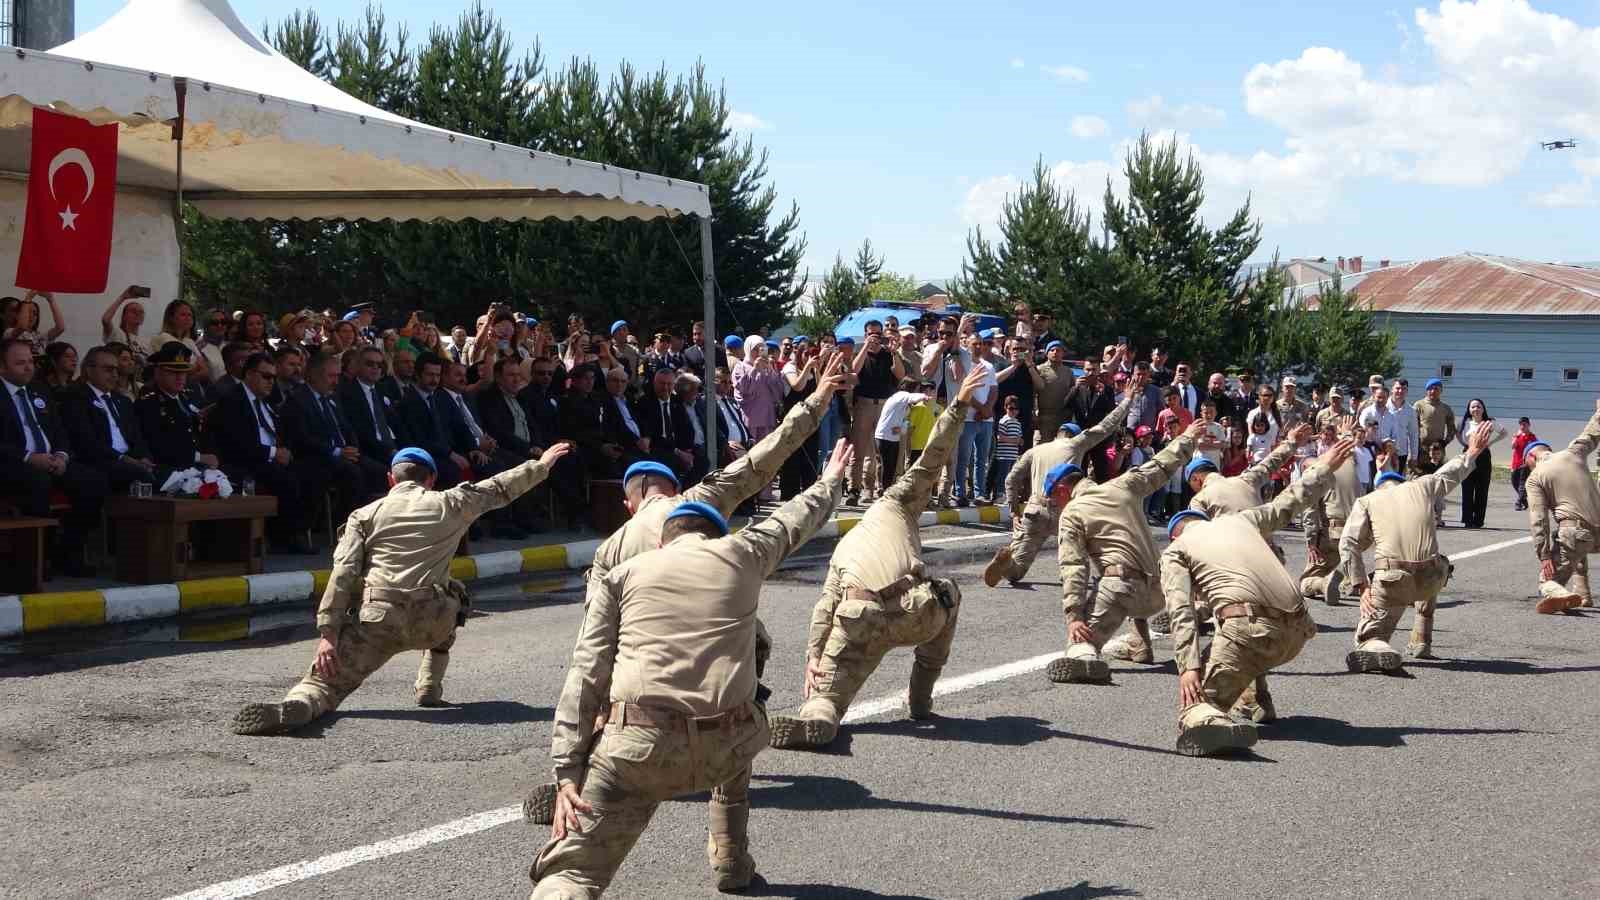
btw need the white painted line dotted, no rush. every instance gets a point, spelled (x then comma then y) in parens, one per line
(153, 601)
(468, 825)
(280, 587)
(503, 562)
(1489, 548)
(10, 615)
(333, 862)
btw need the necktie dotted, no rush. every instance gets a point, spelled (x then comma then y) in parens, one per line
(666, 421)
(25, 405)
(379, 422)
(519, 421)
(261, 416)
(110, 401)
(332, 416)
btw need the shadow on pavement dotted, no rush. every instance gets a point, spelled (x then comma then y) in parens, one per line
(1498, 666)
(482, 712)
(760, 887)
(1083, 890)
(825, 793)
(998, 731)
(1339, 733)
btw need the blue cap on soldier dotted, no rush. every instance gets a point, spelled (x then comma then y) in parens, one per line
(416, 455)
(1072, 428)
(702, 510)
(649, 467)
(1198, 465)
(1183, 514)
(1385, 477)
(1055, 475)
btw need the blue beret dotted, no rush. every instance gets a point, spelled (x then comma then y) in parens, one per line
(1052, 345)
(1056, 474)
(1072, 428)
(772, 345)
(732, 340)
(1182, 514)
(649, 467)
(352, 315)
(1388, 476)
(802, 339)
(1198, 465)
(703, 510)
(1534, 446)
(847, 341)
(618, 325)
(416, 455)
(1432, 383)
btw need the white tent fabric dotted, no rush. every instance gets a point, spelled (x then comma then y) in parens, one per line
(266, 139)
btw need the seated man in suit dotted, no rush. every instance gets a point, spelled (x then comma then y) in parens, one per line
(252, 443)
(168, 420)
(688, 418)
(319, 435)
(513, 429)
(103, 430)
(541, 397)
(469, 438)
(397, 384)
(290, 362)
(227, 381)
(37, 458)
(669, 445)
(622, 430)
(426, 421)
(371, 412)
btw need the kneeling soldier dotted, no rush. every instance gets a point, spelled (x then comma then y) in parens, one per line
(1226, 566)
(393, 564)
(1561, 486)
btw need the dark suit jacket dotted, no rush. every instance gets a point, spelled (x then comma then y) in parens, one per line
(170, 426)
(90, 433)
(235, 430)
(544, 410)
(426, 425)
(684, 428)
(614, 429)
(460, 433)
(306, 430)
(390, 387)
(665, 435)
(353, 403)
(13, 436)
(495, 417)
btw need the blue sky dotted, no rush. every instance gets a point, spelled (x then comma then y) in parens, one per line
(1360, 128)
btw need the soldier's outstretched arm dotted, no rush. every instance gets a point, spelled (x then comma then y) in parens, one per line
(771, 541)
(344, 582)
(913, 489)
(1452, 473)
(1585, 442)
(1356, 539)
(1104, 429)
(1154, 475)
(588, 685)
(1177, 587)
(1259, 474)
(1072, 553)
(1314, 484)
(473, 499)
(1539, 512)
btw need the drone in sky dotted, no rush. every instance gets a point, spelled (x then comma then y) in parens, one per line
(1567, 144)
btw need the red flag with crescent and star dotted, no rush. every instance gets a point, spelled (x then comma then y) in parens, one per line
(72, 187)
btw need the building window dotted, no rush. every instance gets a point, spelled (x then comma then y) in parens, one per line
(1571, 377)
(1525, 373)
(1447, 370)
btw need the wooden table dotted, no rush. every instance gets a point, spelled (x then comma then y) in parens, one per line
(157, 545)
(22, 540)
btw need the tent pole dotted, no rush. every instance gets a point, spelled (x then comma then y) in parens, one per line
(708, 390)
(180, 87)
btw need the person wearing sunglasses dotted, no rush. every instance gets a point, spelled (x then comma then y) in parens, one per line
(251, 444)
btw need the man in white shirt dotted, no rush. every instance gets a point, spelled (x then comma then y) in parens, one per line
(1407, 441)
(977, 435)
(946, 363)
(730, 418)
(102, 428)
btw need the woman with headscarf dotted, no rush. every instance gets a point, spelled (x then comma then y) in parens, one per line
(758, 387)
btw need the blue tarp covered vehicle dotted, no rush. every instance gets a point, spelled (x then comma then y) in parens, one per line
(853, 326)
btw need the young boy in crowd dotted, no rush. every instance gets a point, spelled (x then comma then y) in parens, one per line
(892, 425)
(1007, 443)
(1519, 475)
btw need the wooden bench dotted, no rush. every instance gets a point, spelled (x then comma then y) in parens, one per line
(161, 540)
(22, 546)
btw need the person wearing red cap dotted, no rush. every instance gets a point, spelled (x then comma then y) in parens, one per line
(1560, 486)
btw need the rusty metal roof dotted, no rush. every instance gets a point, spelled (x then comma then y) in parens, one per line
(1481, 284)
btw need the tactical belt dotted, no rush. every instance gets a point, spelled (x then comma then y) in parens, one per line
(1335, 523)
(1121, 572)
(1252, 610)
(1406, 565)
(400, 595)
(889, 593)
(667, 720)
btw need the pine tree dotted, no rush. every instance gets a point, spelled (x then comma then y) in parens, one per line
(869, 268)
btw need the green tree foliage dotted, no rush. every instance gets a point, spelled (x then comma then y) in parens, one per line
(841, 292)
(470, 77)
(869, 266)
(1334, 339)
(894, 288)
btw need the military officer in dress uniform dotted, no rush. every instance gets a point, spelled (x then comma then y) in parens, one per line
(671, 673)
(1561, 486)
(169, 421)
(876, 596)
(1033, 517)
(1225, 565)
(391, 589)
(1396, 520)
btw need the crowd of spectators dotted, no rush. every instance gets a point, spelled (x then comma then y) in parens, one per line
(310, 407)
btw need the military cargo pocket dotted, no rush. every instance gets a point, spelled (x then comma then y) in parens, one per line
(852, 627)
(628, 743)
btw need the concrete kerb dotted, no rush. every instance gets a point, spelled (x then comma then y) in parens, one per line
(34, 613)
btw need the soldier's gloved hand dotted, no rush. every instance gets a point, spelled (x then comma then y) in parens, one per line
(1547, 570)
(813, 673)
(568, 805)
(1189, 689)
(1080, 633)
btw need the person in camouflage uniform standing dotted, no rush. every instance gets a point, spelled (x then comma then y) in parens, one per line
(1035, 519)
(1225, 565)
(1560, 486)
(876, 597)
(671, 674)
(391, 590)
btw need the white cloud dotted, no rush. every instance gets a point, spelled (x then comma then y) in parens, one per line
(985, 199)
(1018, 62)
(1073, 74)
(1589, 168)
(743, 121)
(1154, 112)
(1088, 126)
(1566, 196)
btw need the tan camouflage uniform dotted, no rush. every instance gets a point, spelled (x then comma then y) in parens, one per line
(1058, 382)
(1562, 487)
(1219, 496)
(1436, 423)
(876, 598)
(676, 670)
(1324, 525)
(1226, 566)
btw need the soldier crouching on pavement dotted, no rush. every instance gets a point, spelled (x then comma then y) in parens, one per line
(668, 645)
(1225, 565)
(1560, 485)
(1105, 524)
(876, 597)
(391, 590)
(1397, 521)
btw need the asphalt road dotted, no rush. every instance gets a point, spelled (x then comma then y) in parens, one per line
(1470, 777)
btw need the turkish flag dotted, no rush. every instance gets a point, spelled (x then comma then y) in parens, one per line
(72, 188)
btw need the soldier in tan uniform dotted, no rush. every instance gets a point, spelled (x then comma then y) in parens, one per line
(391, 572)
(1396, 520)
(876, 597)
(1056, 373)
(1324, 524)
(1436, 421)
(668, 647)
(1225, 565)
(1104, 524)
(1561, 486)
(1035, 519)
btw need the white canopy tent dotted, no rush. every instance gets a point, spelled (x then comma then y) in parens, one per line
(265, 139)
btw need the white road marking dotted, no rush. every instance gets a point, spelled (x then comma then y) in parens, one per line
(494, 818)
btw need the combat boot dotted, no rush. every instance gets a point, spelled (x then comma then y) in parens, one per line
(271, 718)
(796, 733)
(540, 806)
(1330, 594)
(1373, 656)
(1557, 604)
(1255, 704)
(920, 697)
(1132, 648)
(998, 568)
(1206, 730)
(727, 846)
(1081, 665)
(430, 677)
(1161, 623)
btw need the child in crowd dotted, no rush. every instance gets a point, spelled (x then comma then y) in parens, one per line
(1237, 457)
(919, 425)
(1519, 475)
(1007, 442)
(892, 426)
(1433, 458)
